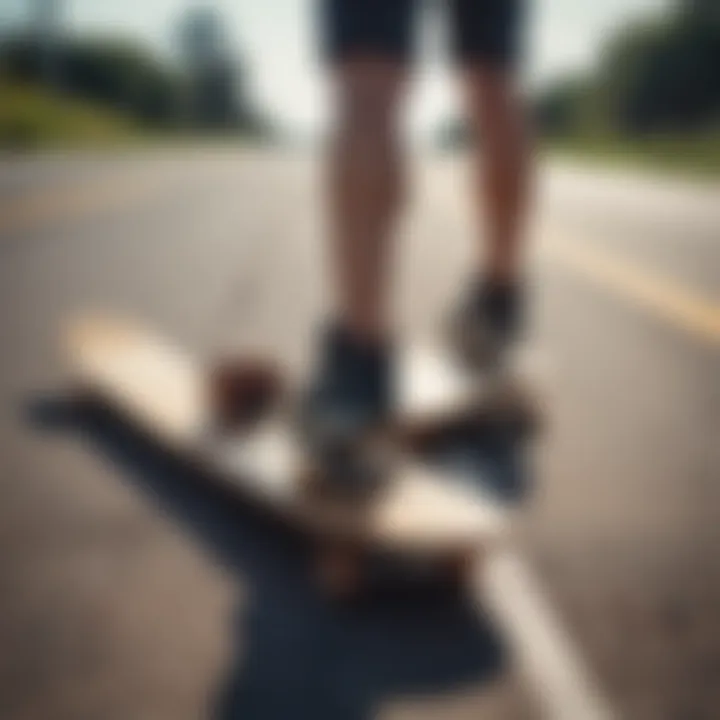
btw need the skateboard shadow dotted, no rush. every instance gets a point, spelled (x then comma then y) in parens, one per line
(296, 654)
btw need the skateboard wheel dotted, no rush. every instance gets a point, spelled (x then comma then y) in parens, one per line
(339, 572)
(242, 391)
(354, 471)
(457, 569)
(79, 392)
(83, 398)
(513, 406)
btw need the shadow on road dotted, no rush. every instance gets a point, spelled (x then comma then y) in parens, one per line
(297, 655)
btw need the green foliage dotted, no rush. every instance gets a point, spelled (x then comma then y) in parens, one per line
(655, 77)
(664, 77)
(454, 134)
(114, 73)
(214, 76)
(30, 118)
(124, 77)
(567, 108)
(697, 153)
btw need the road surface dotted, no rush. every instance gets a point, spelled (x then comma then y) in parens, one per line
(126, 591)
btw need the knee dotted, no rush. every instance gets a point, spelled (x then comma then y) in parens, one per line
(368, 95)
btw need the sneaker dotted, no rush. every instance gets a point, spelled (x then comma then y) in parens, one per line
(487, 325)
(348, 400)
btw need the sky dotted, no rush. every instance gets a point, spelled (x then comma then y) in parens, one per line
(277, 40)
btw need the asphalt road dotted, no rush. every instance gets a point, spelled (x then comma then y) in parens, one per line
(127, 591)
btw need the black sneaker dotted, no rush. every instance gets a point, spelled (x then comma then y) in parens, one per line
(487, 324)
(346, 405)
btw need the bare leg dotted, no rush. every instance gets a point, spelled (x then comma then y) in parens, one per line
(502, 165)
(365, 190)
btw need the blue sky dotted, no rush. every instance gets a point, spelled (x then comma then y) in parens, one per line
(277, 39)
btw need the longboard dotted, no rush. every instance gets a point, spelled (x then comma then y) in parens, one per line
(436, 391)
(234, 423)
(476, 425)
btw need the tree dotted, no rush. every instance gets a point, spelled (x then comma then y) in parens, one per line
(701, 10)
(213, 75)
(568, 107)
(207, 88)
(454, 134)
(663, 77)
(118, 73)
(47, 17)
(656, 77)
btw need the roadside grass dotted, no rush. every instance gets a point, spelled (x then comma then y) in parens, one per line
(697, 154)
(31, 118)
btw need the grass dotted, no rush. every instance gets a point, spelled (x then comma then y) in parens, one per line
(693, 154)
(31, 118)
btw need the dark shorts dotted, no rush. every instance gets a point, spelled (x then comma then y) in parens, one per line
(485, 31)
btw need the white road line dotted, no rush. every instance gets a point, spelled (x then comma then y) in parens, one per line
(547, 656)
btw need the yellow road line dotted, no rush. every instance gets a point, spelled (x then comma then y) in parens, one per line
(32, 212)
(662, 296)
(107, 193)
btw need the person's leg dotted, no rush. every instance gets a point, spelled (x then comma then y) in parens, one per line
(487, 46)
(365, 190)
(502, 167)
(368, 44)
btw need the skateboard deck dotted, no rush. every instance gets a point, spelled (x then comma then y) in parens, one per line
(476, 426)
(436, 391)
(421, 512)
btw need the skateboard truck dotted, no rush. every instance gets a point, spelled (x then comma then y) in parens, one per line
(242, 391)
